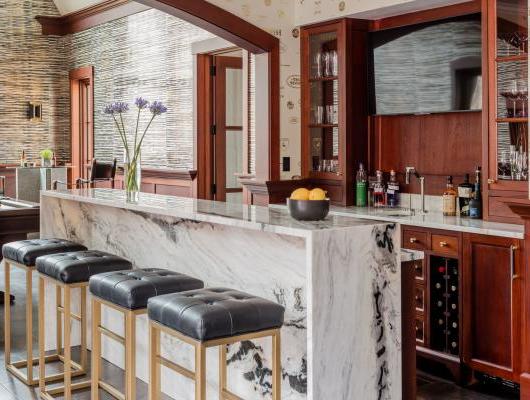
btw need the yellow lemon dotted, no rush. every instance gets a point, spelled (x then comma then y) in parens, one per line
(300, 194)
(317, 194)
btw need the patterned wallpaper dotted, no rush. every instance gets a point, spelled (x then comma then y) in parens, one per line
(134, 57)
(32, 68)
(277, 18)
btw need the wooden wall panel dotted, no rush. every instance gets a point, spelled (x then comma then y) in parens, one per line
(436, 144)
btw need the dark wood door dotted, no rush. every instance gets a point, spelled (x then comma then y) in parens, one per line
(228, 110)
(492, 304)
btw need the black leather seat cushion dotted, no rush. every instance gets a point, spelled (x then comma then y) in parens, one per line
(212, 313)
(26, 251)
(131, 289)
(79, 266)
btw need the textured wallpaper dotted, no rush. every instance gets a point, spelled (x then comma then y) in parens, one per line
(147, 54)
(32, 68)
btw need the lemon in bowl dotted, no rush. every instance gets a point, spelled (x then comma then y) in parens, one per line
(308, 205)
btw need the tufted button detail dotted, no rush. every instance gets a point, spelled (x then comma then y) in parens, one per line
(212, 313)
(132, 289)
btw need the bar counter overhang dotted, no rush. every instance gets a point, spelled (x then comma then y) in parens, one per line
(338, 279)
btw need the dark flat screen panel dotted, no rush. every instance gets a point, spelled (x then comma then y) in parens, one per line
(428, 68)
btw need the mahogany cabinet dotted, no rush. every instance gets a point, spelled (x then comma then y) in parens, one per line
(334, 105)
(492, 304)
(505, 108)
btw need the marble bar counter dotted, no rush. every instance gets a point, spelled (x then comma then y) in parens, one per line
(339, 281)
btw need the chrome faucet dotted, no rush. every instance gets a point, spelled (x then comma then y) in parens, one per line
(408, 172)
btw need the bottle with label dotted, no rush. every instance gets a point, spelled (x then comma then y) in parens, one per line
(392, 190)
(465, 193)
(475, 205)
(361, 187)
(379, 190)
(449, 198)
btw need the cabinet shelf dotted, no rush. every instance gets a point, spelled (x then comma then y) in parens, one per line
(519, 57)
(323, 125)
(324, 79)
(512, 120)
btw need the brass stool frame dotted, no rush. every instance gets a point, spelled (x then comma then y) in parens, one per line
(67, 388)
(199, 374)
(16, 367)
(128, 341)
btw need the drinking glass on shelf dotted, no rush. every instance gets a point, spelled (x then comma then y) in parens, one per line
(334, 63)
(317, 65)
(522, 97)
(329, 115)
(317, 115)
(504, 166)
(523, 38)
(326, 58)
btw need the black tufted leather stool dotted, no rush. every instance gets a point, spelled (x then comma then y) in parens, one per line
(128, 292)
(68, 271)
(206, 318)
(22, 254)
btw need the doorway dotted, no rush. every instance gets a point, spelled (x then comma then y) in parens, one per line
(222, 102)
(81, 117)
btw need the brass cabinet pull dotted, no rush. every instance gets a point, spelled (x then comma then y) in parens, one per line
(491, 181)
(413, 240)
(443, 244)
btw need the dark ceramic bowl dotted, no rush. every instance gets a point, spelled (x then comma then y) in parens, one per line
(308, 210)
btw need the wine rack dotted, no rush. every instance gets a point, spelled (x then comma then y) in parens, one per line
(444, 302)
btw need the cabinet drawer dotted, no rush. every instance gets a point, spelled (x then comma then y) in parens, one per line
(415, 240)
(419, 298)
(445, 244)
(419, 270)
(420, 330)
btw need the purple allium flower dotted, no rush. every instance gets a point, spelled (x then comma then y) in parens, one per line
(120, 107)
(157, 108)
(109, 109)
(141, 103)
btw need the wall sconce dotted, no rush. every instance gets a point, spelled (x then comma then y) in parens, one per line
(35, 112)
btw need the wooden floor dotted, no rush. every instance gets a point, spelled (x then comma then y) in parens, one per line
(429, 388)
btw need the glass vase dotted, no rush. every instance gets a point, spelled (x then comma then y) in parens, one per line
(132, 176)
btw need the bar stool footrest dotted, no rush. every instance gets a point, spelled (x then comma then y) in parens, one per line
(51, 393)
(15, 369)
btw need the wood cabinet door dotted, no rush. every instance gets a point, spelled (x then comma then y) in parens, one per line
(492, 305)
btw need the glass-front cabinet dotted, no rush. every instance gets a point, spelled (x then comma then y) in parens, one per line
(330, 74)
(508, 97)
(322, 121)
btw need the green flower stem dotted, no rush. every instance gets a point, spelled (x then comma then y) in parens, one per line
(137, 149)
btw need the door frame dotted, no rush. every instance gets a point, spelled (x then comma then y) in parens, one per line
(77, 77)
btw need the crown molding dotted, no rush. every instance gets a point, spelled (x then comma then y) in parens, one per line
(89, 17)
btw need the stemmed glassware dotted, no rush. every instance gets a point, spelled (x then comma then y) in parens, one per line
(325, 64)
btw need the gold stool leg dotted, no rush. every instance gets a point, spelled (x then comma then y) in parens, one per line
(59, 319)
(96, 348)
(29, 325)
(67, 348)
(84, 351)
(42, 363)
(200, 371)
(7, 313)
(154, 365)
(222, 370)
(276, 366)
(130, 359)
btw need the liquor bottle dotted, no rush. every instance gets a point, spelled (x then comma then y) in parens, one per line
(379, 190)
(361, 187)
(475, 205)
(23, 159)
(449, 198)
(392, 190)
(465, 192)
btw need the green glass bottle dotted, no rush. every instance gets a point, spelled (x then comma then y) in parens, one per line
(361, 187)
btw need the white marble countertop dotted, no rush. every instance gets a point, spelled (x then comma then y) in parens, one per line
(411, 255)
(434, 220)
(275, 220)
